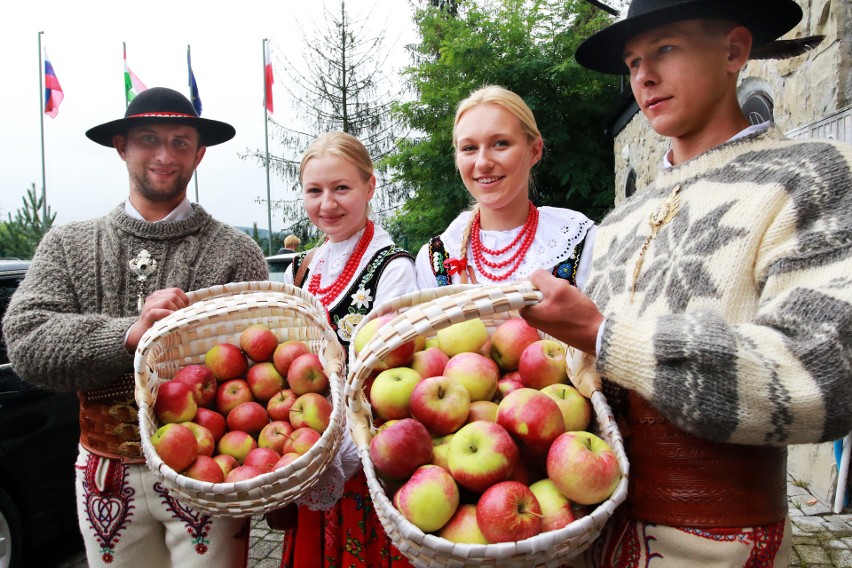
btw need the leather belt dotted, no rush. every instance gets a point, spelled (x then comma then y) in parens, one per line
(109, 422)
(678, 479)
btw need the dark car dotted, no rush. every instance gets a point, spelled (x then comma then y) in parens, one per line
(39, 432)
(278, 264)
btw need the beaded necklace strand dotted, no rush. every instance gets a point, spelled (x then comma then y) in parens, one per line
(525, 236)
(328, 294)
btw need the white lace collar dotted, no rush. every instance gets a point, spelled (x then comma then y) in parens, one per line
(331, 258)
(559, 231)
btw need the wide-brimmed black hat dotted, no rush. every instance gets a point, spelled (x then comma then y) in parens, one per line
(159, 105)
(766, 19)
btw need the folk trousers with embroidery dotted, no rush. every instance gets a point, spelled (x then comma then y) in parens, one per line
(128, 519)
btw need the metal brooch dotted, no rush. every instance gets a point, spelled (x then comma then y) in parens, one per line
(142, 266)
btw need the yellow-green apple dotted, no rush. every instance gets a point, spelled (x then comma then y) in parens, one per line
(462, 527)
(205, 468)
(300, 441)
(306, 374)
(477, 373)
(258, 342)
(440, 447)
(231, 393)
(237, 444)
(481, 454)
(211, 420)
(226, 462)
(429, 498)
(482, 410)
(441, 404)
(508, 512)
(390, 394)
(556, 509)
(249, 417)
(175, 402)
(532, 418)
(509, 382)
(175, 445)
(206, 442)
(463, 337)
(543, 363)
(429, 362)
(226, 360)
(398, 357)
(264, 380)
(286, 460)
(202, 382)
(279, 405)
(312, 410)
(401, 448)
(419, 343)
(431, 342)
(576, 408)
(274, 435)
(262, 458)
(242, 473)
(509, 340)
(286, 353)
(583, 467)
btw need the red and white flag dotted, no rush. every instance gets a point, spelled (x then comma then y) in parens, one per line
(267, 76)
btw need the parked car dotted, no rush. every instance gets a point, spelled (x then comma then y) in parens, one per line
(278, 264)
(39, 432)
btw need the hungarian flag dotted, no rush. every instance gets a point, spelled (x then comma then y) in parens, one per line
(132, 85)
(267, 76)
(193, 86)
(53, 94)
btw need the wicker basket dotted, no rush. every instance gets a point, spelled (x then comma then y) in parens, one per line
(216, 315)
(423, 313)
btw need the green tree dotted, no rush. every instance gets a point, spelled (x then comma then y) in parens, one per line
(526, 46)
(19, 236)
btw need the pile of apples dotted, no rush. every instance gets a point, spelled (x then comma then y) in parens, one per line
(248, 410)
(481, 439)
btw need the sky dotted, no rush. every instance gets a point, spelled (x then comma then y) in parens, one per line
(83, 41)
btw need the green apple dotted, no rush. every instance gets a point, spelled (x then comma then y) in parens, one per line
(576, 408)
(462, 337)
(556, 509)
(390, 394)
(428, 499)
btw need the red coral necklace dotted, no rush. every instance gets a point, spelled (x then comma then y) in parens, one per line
(525, 237)
(331, 292)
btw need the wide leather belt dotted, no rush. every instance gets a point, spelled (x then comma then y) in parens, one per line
(109, 422)
(678, 479)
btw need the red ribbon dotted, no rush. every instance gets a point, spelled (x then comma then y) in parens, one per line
(455, 265)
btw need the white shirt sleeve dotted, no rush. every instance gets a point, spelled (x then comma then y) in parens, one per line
(423, 268)
(585, 266)
(397, 280)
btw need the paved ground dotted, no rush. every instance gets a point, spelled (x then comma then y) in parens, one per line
(821, 539)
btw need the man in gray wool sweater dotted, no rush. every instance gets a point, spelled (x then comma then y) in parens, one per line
(92, 290)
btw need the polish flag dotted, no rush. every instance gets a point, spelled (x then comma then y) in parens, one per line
(267, 76)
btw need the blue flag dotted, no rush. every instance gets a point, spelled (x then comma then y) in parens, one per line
(193, 86)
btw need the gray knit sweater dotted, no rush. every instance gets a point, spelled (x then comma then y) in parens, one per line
(65, 324)
(740, 328)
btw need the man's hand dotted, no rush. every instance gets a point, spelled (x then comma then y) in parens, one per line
(565, 313)
(157, 306)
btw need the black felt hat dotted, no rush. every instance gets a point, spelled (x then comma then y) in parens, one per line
(159, 105)
(766, 19)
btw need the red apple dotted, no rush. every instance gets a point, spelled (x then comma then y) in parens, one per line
(300, 441)
(532, 418)
(478, 374)
(226, 360)
(205, 468)
(175, 402)
(556, 510)
(399, 357)
(202, 382)
(390, 395)
(286, 460)
(279, 405)
(175, 445)
(463, 527)
(205, 439)
(230, 394)
(211, 420)
(482, 410)
(576, 409)
(481, 454)
(264, 381)
(543, 363)
(441, 404)
(286, 353)
(583, 467)
(258, 342)
(274, 435)
(429, 362)
(510, 382)
(401, 448)
(312, 410)
(509, 340)
(226, 463)
(307, 375)
(242, 473)
(428, 499)
(508, 512)
(237, 444)
(262, 458)
(249, 417)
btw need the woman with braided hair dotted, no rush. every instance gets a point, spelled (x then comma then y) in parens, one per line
(504, 237)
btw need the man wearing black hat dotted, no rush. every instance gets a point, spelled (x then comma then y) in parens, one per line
(719, 308)
(92, 290)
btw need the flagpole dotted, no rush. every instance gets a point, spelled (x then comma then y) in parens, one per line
(266, 141)
(41, 125)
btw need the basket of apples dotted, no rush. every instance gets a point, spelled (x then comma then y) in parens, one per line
(240, 397)
(476, 448)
